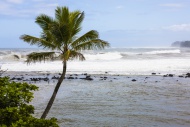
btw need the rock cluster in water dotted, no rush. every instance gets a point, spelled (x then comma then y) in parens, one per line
(52, 77)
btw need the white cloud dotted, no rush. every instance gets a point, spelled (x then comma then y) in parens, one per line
(173, 5)
(9, 8)
(181, 27)
(15, 1)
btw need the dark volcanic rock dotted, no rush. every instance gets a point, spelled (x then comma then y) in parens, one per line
(188, 75)
(170, 75)
(35, 79)
(46, 79)
(54, 77)
(13, 78)
(70, 78)
(87, 78)
(19, 79)
(133, 80)
(85, 74)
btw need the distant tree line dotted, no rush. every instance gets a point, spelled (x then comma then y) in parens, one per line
(184, 44)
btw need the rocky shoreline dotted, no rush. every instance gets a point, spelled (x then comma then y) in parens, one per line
(34, 77)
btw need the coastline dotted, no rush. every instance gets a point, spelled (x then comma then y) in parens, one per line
(41, 75)
(150, 100)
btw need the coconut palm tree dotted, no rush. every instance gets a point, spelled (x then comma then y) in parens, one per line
(60, 34)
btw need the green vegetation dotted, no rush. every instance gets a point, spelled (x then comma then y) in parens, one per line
(15, 110)
(60, 34)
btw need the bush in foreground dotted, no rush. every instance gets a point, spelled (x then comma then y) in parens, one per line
(15, 110)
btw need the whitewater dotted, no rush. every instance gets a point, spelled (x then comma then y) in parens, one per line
(129, 87)
(125, 61)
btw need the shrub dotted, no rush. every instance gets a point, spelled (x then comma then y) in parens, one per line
(15, 109)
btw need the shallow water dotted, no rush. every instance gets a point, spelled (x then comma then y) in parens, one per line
(154, 101)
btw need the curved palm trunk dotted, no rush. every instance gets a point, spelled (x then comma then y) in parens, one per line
(50, 103)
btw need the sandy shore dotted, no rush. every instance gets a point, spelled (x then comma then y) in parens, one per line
(113, 100)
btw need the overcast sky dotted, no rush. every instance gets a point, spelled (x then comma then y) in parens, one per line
(123, 23)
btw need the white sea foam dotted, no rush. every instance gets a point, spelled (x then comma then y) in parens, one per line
(114, 67)
(110, 60)
(164, 51)
(103, 56)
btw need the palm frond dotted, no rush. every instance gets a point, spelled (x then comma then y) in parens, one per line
(44, 21)
(91, 45)
(77, 55)
(62, 15)
(37, 41)
(54, 35)
(64, 34)
(62, 27)
(58, 14)
(90, 35)
(71, 54)
(38, 57)
(76, 19)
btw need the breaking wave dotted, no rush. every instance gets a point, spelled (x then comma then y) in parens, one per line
(164, 52)
(103, 56)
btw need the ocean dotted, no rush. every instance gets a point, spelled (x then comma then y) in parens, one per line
(123, 61)
(123, 92)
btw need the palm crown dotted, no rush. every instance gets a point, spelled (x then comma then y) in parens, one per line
(61, 34)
